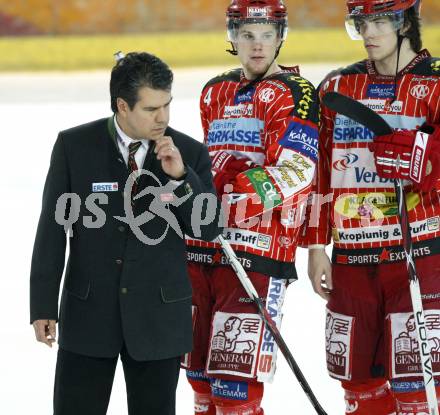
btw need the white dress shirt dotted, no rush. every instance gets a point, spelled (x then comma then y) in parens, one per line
(124, 141)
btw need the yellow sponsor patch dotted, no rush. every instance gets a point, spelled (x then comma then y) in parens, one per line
(435, 66)
(372, 205)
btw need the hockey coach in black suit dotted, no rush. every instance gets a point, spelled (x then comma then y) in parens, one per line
(124, 191)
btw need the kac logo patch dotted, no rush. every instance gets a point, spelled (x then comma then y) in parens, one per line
(267, 95)
(420, 91)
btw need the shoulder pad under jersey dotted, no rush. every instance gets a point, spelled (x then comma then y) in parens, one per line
(232, 76)
(304, 95)
(428, 67)
(355, 69)
(435, 66)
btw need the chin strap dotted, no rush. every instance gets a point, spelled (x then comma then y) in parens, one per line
(399, 47)
(232, 51)
(278, 50)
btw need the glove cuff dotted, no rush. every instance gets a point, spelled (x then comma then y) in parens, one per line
(419, 156)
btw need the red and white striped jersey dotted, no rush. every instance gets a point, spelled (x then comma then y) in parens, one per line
(274, 124)
(362, 215)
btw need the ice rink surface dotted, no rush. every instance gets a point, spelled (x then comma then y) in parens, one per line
(33, 108)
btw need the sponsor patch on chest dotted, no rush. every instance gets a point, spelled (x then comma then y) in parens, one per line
(105, 187)
(238, 131)
(244, 96)
(238, 110)
(381, 91)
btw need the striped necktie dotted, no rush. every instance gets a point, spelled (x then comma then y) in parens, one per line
(132, 166)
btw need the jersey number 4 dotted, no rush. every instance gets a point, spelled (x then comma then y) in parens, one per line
(207, 99)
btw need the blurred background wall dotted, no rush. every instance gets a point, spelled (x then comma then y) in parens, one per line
(30, 17)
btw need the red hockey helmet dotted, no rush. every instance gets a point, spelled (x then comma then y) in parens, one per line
(361, 10)
(256, 11)
(366, 7)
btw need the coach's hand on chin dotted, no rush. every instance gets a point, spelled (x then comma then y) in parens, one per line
(170, 157)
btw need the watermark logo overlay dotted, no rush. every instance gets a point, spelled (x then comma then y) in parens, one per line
(157, 207)
(204, 209)
(238, 209)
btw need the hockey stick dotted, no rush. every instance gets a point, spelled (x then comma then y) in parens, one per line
(269, 323)
(363, 115)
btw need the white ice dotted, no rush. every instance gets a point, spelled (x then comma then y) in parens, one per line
(33, 108)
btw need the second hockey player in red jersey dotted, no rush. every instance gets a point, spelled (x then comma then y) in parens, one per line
(371, 339)
(261, 127)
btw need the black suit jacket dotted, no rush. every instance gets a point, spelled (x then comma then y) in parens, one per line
(116, 287)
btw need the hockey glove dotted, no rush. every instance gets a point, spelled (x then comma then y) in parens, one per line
(409, 155)
(225, 167)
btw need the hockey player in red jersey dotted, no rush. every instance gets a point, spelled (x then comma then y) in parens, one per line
(260, 124)
(371, 342)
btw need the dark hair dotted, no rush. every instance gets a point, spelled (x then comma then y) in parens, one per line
(135, 71)
(413, 32)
